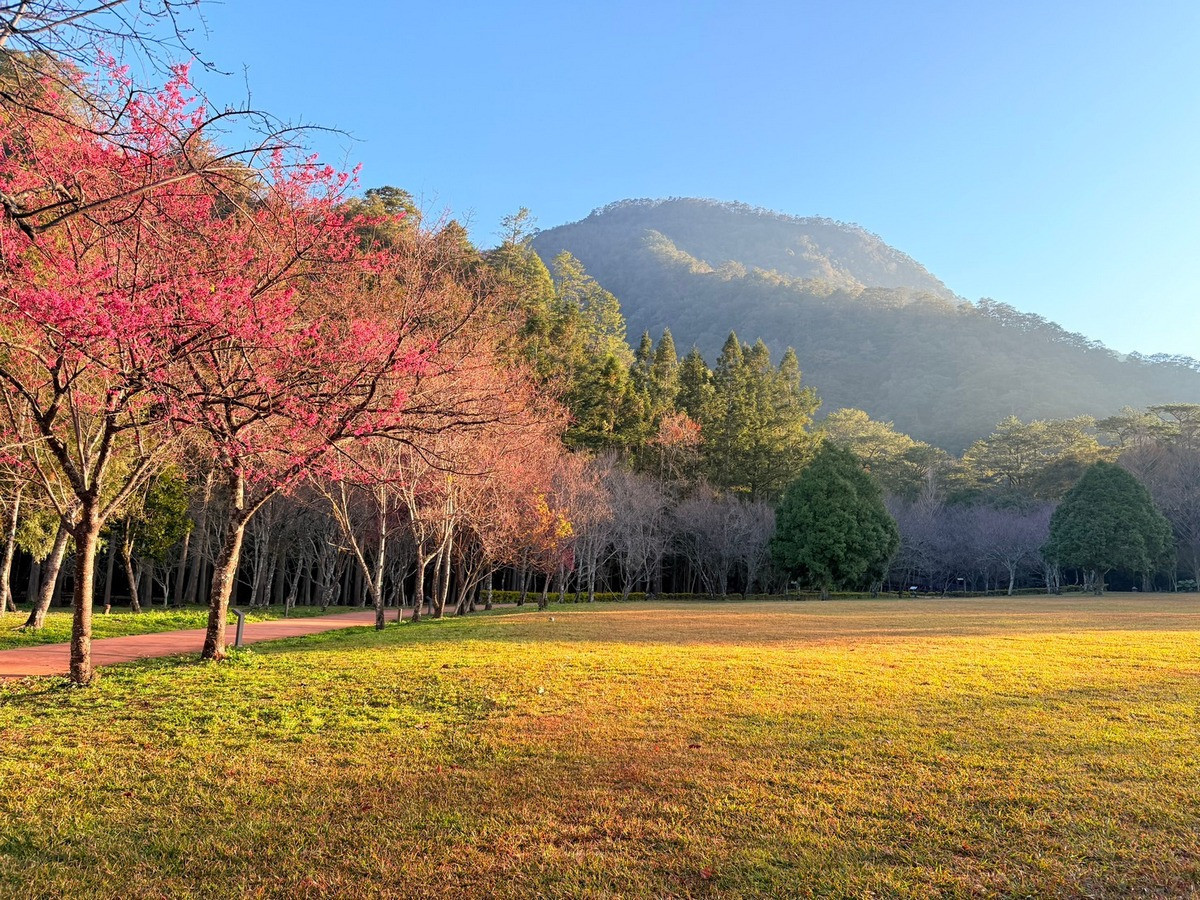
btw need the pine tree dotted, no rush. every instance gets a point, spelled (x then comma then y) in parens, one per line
(755, 428)
(664, 375)
(696, 392)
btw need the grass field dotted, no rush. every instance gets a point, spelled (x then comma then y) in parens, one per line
(1015, 748)
(58, 623)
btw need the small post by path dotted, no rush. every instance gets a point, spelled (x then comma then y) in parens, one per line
(241, 616)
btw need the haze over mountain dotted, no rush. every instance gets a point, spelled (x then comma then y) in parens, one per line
(872, 327)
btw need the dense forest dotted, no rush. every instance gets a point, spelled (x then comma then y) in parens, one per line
(873, 329)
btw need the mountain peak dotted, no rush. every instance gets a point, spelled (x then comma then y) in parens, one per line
(873, 329)
(809, 248)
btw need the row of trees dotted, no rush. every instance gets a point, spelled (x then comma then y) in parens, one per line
(176, 312)
(222, 368)
(227, 370)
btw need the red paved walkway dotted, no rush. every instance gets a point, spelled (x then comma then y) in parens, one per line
(54, 659)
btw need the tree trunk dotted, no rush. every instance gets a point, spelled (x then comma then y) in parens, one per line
(461, 594)
(293, 589)
(419, 586)
(198, 560)
(132, 577)
(110, 567)
(269, 584)
(10, 544)
(34, 581)
(87, 536)
(50, 571)
(259, 560)
(225, 570)
(524, 580)
(377, 575)
(441, 584)
(181, 569)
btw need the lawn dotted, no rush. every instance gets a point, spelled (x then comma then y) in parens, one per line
(58, 622)
(1017, 748)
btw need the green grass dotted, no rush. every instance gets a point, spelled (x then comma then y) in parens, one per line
(58, 623)
(1013, 748)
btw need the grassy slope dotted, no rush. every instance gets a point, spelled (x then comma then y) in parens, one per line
(841, 749)
(58, 623)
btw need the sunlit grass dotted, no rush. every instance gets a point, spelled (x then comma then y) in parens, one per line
(885, 749)
(58, 623)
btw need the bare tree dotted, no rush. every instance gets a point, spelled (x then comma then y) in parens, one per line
(638, 529)
(1171, 472)
(1012, 538)
(754, 523)
(707, 530)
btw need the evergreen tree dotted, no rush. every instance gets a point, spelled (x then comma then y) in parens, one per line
(643, 362)
(602, 324)
(696, 392)
(832, 529)
(1107, 521)
(664, 375)
(526, 284)
(900, 464)
(755, 428)
(1039, 459)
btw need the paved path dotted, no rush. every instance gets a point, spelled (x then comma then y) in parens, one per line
(54, 659)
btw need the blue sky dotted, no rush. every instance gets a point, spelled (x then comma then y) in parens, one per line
(1044, 154)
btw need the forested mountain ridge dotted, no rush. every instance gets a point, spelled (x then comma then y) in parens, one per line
(730, 238)
(873, 329)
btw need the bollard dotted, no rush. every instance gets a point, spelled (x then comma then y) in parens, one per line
(237, 641)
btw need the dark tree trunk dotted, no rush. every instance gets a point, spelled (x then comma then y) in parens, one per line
(135, 604)
(34, 581)
(442, 585)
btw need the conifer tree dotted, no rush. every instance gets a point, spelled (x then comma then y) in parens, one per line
(755, 428)
(832, 529)
(1108, 521)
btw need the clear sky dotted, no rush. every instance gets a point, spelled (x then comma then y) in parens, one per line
(1046, 154)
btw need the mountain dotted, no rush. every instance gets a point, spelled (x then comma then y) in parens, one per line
(872, 327)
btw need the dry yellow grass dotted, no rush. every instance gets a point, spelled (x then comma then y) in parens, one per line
(1030, 747)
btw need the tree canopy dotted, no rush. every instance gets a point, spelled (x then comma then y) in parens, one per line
(832, 528)
(1107, 521)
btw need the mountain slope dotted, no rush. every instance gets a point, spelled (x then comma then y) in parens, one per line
(872, 327)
